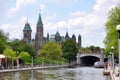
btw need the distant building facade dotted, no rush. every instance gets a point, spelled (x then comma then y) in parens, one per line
(60, 39)
(40, 40)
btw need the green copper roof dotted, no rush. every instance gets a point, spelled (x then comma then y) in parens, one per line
(27, 27)
(63, 38)
(51, 39)
(79, 36)
(39, 23)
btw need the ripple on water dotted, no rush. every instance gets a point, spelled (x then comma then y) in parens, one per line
(78, 73)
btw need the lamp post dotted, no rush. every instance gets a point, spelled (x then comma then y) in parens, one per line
(111, 63)
(118, 29)
(32, 62)
(113, 67)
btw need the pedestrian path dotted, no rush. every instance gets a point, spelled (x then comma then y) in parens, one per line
(114, 75)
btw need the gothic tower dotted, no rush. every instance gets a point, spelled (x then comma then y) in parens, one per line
(79, 40)
(39, 34)
(58, 38)
(27, 32)
(67, 36)
(74, 38)
(47, 37)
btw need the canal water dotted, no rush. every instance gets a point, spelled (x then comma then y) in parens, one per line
(76, 73)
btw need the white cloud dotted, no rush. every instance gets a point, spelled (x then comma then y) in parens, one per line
(18, 5)
(89, 25)
(14, 29)
(78, 13)
(103, 6)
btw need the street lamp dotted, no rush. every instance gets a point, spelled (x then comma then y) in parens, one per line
(113, 67)
(32, 62)
(109, 60)
(118, 29)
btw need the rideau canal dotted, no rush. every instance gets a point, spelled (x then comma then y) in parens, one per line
(74, 73)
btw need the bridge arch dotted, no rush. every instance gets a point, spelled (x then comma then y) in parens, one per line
(88, 59)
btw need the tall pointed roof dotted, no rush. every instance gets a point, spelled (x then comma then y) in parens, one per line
(27, 26)
(39, 23)
(66, 36)
(57, 33)
(73, 36)
(79, 36)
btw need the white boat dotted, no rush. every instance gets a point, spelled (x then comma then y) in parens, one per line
(99, 64)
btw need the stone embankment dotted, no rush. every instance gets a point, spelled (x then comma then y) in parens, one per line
(33, 68)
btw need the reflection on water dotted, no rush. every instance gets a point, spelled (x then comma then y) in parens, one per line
(79, 73)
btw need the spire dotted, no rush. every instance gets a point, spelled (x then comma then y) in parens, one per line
(66, 36)
(58, 37)
(79, 40)
(79, 36)
(57, 34)
(74, 38)
(39, 23)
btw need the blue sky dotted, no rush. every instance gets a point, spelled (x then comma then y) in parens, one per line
(85, 17)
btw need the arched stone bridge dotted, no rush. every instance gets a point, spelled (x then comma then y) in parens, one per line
(89, 58)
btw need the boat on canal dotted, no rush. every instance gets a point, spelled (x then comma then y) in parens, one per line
(99, 64)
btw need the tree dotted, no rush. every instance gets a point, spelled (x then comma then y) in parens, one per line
(14, 44)
(70, 50)
(111, 38)
(92, 48)
(3, 41)
(24, 56)
(27, 48)
(51, 50)
(10, 54)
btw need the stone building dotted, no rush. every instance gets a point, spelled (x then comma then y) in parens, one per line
(40, 40)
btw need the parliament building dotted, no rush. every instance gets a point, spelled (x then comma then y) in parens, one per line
(40, 40)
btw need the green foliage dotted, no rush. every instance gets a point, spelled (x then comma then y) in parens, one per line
(70, 50)
(27, 48)
(14, 44)
(111, 38)
(51, 50)
(90, 49)
(21, 45)
(10, 54)
(85, 50)
(41, 60)
(24, 56)
(3, 41)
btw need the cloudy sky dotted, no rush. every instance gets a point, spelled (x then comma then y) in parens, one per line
(84, 17)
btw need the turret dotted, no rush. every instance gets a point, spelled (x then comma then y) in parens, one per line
(79, 40)
(47, 37)
(58, 37)
(74, 38)
(67, 36)
(27, 32)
